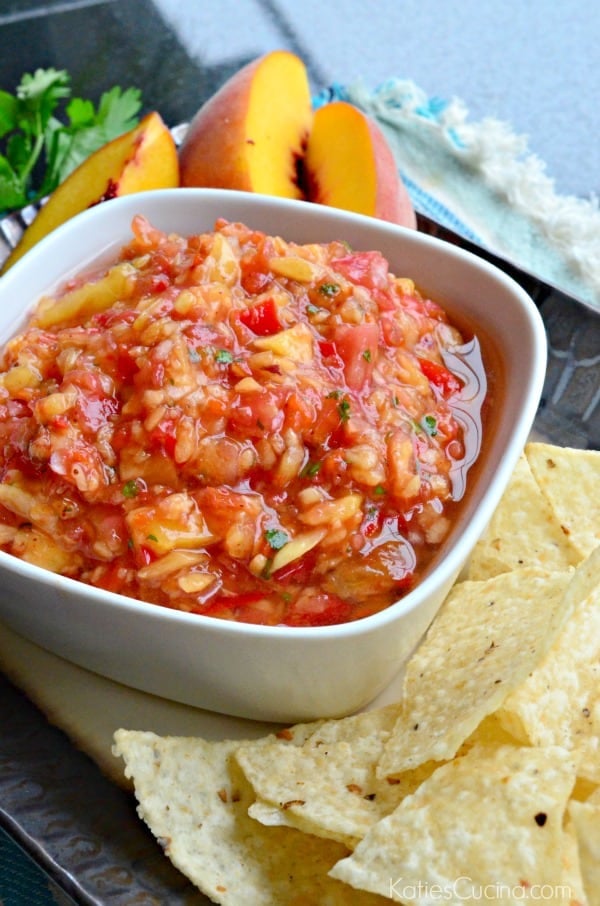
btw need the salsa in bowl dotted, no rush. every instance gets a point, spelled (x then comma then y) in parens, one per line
(238, 426)
(275, 429)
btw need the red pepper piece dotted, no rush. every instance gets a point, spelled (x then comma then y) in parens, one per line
(262, 318)
(441, 378)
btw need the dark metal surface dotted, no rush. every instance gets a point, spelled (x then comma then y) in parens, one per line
(79, 827)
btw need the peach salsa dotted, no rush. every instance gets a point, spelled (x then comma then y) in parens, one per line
(234, 425)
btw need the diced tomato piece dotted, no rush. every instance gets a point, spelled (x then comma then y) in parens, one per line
(256, 276)
(404, 585)
(250, 607)
(372, 522)
(164, 436)
(92, 413)
(357, 345)
(297, 572)
(255, 281)
(258, 413)
(112, 577)
(327, 348)
(156, 283)
(233, 602)
(91, 381)
(108, 319)
(125, 366)
(441, 378)
(301, 410)
(144, 556)
(121, 437)
(368, 269)
(262, 318)
(318, 610)
(325, 426)
(60, 422)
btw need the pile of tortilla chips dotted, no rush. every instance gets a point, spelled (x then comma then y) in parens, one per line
(483, 783)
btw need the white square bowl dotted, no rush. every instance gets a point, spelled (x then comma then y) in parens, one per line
(276, 673)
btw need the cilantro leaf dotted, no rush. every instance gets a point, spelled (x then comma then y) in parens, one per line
(329, 289)
(430, 425)
(8, 112)
(223, 357)
(87, 130)
(276, 538)
(118, 110)
(38, 96)
(131, 488)
(38, 148)
(344, 410)
(10, 185)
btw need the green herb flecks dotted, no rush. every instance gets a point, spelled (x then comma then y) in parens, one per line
(311, 469)
(131, 488)
(276, 538)
(223, 357)
(430, 425)
(329, 289)
(37, 149)
(344, 410)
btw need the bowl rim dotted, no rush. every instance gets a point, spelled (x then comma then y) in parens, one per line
(451, 562)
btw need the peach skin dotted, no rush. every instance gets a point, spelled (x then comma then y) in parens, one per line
(252, 133)
(349, 164)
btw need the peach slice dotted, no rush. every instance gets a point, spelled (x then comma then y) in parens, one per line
(349, 164)
(251, 134)
(259, 133)
(141, 159)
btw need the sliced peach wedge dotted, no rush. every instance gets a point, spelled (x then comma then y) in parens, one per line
(349, 164)
(251, 134)
(141, 159)
(259, 133)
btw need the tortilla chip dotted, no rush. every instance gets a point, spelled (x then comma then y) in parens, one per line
(586, 821)
(572, 877)
(523, 531)
(378, 722)
(486, 639)
(594, 797)
(559, 704)
(329, 792)
(485, 777)
(326, 787)
(331, 789)
(493, 817)
(570, 481)
(195, 800)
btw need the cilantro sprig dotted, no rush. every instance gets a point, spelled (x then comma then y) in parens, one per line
(45, 133)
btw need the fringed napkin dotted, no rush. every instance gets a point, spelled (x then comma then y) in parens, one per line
(480, 180)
